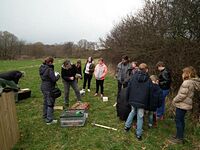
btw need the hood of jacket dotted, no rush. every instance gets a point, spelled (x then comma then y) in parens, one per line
(141, 76)
(196, 82)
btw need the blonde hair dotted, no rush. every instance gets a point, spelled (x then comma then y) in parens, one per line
(143, 67)
(154, 78)
(189, 72)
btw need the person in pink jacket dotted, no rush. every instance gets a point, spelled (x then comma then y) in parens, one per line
(100, 72)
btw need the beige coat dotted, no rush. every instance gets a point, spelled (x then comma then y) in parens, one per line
(183, 100)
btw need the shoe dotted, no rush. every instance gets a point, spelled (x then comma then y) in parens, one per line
(101, 95)
(52, 122)
(88, 90)
(139, 137)
(175, 140)
(95, 94)
(126, 129)
(150, 126)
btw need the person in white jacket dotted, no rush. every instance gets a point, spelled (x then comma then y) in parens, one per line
(100, 72)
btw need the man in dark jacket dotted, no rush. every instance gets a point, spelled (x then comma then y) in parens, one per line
(49, 79)
(164, 83)
(68, 73)
(138, 95)
(122, 74)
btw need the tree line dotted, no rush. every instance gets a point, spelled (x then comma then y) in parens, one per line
(167, 30)
(11, 47)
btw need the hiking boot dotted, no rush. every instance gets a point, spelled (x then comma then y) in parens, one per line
(126, 129)
(139, 137)
(175, 140)
(52, 122)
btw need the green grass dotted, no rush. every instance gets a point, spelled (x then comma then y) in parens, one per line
(36, 135)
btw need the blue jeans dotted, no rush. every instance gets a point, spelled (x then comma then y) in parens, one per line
(160, 111)
(140, 114)
(180, 123)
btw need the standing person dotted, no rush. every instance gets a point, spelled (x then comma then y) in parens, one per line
(164, 83)
(100, 72)
(79, 70)
(121, 74)
(155, 100)
(138, 95)
(88, 72)
(49, 79)
(68, 72)
(183, 101)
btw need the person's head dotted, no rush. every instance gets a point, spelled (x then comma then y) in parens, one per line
(78, 63)
(143, 67)
(67, 64)
(189, 72)
(160, 65)
(100, 61)
(154, 79)
(125, 59)
(90, 59)
(134, 64)
(48, 60)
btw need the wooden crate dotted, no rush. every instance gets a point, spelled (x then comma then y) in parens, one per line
(9, 131)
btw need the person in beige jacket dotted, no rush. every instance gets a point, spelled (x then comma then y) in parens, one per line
(183, 100)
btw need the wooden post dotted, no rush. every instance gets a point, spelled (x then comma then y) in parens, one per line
(9, 131)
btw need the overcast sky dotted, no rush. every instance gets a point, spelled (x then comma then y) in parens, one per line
(58, 21)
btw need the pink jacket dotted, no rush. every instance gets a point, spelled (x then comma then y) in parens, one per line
(100, 71)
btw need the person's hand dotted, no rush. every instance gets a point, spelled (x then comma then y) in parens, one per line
(71, 78)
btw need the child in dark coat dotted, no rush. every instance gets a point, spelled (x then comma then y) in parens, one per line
(155, 99)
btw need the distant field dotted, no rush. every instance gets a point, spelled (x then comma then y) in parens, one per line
(36, 135)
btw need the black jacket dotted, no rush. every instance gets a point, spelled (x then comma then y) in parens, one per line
(165, 79)
(155, 98)
(67, 73)
(91, 68)
(138, 91)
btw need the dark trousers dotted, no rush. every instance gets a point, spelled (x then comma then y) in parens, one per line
(180, 123)
(48, 105)
(87, 77)
(99, 83)
(120, 85)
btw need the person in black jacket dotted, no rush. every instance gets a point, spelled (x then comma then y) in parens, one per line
(88, 73)
(49, 79)
(68, 73)
(155, 100)
(164, 83)
(138, 95)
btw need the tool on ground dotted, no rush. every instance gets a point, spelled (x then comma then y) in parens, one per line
(102, 126)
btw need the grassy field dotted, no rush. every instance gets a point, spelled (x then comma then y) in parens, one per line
(36, 135)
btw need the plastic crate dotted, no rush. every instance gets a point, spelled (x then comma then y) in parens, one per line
(72, 118)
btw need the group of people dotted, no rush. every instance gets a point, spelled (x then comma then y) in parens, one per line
(143, 92)
(70, 73)
(148, 93)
